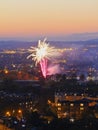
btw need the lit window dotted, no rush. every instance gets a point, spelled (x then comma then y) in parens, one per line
(59, 104)
(72, 120)
(59, 109)
(26, 103)
(81, 108)
(71, 104)
(81, 104)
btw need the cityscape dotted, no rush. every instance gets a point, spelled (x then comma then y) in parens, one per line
(67, 96)
(48, 64)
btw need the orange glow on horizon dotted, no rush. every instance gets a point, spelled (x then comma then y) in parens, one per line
(26, 18)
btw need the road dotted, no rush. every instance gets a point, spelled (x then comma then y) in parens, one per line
(2, 127)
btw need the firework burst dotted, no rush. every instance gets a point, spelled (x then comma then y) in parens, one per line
(42, 54)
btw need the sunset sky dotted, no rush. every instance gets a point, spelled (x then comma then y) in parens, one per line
(54, 19)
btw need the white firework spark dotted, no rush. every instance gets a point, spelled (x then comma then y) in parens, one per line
(43, 51)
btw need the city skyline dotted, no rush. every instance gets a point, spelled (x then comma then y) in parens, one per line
(56, 20)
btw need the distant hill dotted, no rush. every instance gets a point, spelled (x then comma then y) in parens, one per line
(60, 44)
(15, 44)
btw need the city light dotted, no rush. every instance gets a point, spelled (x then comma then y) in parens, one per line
(8, 113)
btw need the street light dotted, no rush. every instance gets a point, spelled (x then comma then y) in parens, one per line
(19, 111)
(8, 113)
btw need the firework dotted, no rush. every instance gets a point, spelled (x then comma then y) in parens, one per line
(42, 54)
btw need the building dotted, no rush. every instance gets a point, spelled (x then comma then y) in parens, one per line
(71, 106)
